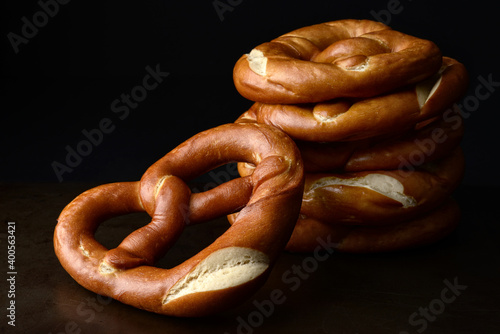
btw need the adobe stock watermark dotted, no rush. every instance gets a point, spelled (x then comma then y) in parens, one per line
(293, 278)
(436, 307)
(394, 7)
(454, 116)
(222, 175)
(11, 273)
(121, 107)
(218, 176)
(87, 310)
(223, 6)
(31, 27)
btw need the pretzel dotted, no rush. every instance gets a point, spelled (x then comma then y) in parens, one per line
(345, 58)
(379, 197)
(348, 120)
(428, 143)
(221, 275)
(416, 232)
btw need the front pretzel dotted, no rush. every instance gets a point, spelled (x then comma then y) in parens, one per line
(225, 273)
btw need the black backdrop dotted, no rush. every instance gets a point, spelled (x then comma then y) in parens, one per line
(69, 65)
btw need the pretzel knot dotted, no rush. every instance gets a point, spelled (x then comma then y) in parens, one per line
(224, 273)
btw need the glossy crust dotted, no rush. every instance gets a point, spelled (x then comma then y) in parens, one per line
(422, 189)
(303, 66)
(373, 197)
(253, 242)
(310, 233)
(428, 141)
(357, 119)
(369, 108)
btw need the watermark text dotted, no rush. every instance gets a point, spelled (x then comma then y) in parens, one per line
(223, 6)
(30, 28)
(293, 279)
(11, 273)
(436, 307)
(122, 107)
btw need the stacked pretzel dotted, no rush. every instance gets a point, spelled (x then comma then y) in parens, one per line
(370, 110)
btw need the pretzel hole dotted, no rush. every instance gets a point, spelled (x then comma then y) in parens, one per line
(380, 183)
(200, 234)
(193, 239)
(224, 268)
(214, 178)
(111, 232)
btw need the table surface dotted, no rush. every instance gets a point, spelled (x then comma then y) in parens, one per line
(448, 287)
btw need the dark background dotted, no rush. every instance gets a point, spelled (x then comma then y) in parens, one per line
(65, 78)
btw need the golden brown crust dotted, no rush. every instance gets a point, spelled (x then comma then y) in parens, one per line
(412, 148)
(373, 197)
(258, 235)
(282, 71)
(358, 119)
(428, 141)
(354, 205)
(416, 232)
